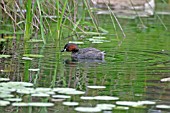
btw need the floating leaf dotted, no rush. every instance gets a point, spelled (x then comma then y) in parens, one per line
(165, 79)
(6, 95)
(71, 103)
(129, 103)
(105, 98)
(2, 40)
(74, 92)
(33, 55)
(121, 107)
(139, 95)
(75, 42)
(37, 104)
(88, 109)
(163, 106)
(40, 95)
(96, 87)
(146, 102)
(57, 100)
(12, 84)
(67, 91)
(4, 79)
(86, 98)
(14, 99)
(50, 92)
(41, 89)
(20, 104)
(4, 103)
(34, 69)
(27, 58)
(5, 56)
(61, 96)
(63, 89)
(7, 90)
(41, 104)
(26, 91)
(105, 106)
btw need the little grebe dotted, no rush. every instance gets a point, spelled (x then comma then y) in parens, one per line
(85, 53)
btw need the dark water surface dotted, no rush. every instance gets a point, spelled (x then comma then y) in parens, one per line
(132, 70)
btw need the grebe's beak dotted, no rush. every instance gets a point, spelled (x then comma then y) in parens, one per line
(63, 50)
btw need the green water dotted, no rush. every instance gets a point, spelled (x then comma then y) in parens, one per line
(133, 67)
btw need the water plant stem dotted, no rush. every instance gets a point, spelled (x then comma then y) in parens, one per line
(28, 24)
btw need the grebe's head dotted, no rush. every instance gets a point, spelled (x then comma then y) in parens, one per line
(70, 47)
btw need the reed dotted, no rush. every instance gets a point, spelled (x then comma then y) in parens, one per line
(87, 5)
(28, 24)
(61, 18)
(116, 21)
(41, 22)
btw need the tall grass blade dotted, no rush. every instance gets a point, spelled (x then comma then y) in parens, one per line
(140, 19)
(116, 21)
(41, 22)
(158, 15)
(60, 16)
(28, 24)
(91, 15)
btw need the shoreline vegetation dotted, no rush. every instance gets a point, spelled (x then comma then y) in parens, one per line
(35, 17)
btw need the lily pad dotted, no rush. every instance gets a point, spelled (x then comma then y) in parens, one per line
(4, 79)
(71, 103)
(41, 89)
(128, 103)
(165, 80)
(7, 90)
(57, 100)
(75, 42)
(26, 91)
(61, 96)
(5, 56)
(63, 89)
(34, 69)
(163, 106)
(75, 92)
(105, 106)
(4, 103)
(88, 109)
(105, 98)
(27, 58)
(20, 104)
(25, 84)
(121, 108)
(41, 104)
(14, 99)
(96, 87)
(37, 104)
(147, 102)
(40, 95)
(50, 92)
(33, 55)
(6, 95)
(2, 40)
(87, 98)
